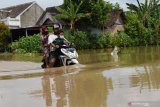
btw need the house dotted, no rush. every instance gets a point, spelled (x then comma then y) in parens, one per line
(21, 19)
(4, 14)
(114, 24)
(21, 16)
(48, 18)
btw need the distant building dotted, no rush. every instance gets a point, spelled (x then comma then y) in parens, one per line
(114, 24)
(48, 18)
(116, 21)
(4, 14)
(21, 19)
(21, 16)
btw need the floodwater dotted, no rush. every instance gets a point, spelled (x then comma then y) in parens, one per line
(129, 79)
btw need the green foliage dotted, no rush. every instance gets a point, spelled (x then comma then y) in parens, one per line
(69, 37)
(85, 7)
(29, 44)
(13, 46)
(136, 42)
(121, 39)
(140, 34)
(133, 26)
(103, 40)
(21, 51)
(81, 40)
(143, 11)
(146, 25)
(4, 34)
(146, 10)
(116, 6)
(100, 12)
(71, 13)
(142, 26)
(97, 11)
(50, 29)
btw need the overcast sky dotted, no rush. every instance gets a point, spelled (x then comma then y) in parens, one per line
(49, 3)
(122, 2)
(42, 3)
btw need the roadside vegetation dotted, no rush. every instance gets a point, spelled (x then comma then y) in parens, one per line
(4, 34)
(142, 26)
(29, 44)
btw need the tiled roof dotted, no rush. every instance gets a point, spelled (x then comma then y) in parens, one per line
(52, 10)
(16, 10)
(114, 15)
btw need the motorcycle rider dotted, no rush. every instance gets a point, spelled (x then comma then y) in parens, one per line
(60, 40)
(57, 43)
(45, 46)
(51, 38)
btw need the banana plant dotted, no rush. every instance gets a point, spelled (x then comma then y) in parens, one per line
(143, 10)
(71, 13)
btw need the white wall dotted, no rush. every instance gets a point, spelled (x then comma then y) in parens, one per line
(12, 22)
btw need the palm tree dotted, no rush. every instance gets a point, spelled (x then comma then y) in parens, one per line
(148, 13)
(71, 13)
(142, 10)
(150, 8)
(156, 17)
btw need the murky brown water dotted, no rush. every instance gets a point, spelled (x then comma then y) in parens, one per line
(129, 79)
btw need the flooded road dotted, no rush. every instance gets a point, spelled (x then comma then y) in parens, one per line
(129, 79)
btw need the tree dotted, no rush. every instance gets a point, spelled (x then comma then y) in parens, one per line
(146, 10)
(142, 10)
(133, 26)
(85, 7)
(100, 12)
(71, 13)
(155, 18)
(116, 6)
(149, 15)
(4, 34)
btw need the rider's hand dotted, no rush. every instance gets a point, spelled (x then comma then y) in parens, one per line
(57, 46)
(53, 45)
(66, 42)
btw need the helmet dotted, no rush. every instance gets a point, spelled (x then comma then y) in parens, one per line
(56, 26)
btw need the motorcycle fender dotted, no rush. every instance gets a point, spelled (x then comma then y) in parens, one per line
(75, 61)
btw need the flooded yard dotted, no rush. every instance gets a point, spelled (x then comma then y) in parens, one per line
(129, 79)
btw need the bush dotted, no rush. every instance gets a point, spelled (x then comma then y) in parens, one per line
(29, 44)
(148, 36)
(136, 42)
(80, 39)
(69, 37)
(121, 39)
(83, 41)
(32, 44)
(103, 40)
(4, 34)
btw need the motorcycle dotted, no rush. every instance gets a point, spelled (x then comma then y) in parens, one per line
(65, 55)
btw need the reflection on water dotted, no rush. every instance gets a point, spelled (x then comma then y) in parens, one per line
(47, 90)
(131, 81)
(85, 89)
(149, 78)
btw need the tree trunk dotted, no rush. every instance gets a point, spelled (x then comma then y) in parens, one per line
(72, 27)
